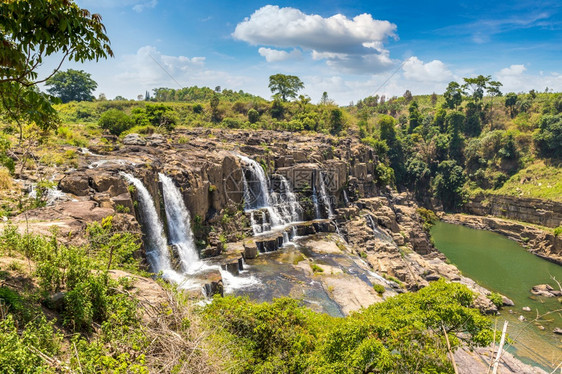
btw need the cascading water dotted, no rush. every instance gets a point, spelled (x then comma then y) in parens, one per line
(157, 248)
(291, 200)
(179, 226)
(324, 198)
(377, 233)
(282, 207)
(345, 198)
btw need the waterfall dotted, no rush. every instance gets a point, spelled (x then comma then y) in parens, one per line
(377, 233)
(256, 191)
(291, 200)
(345, 198)
(157, 248)
(179, 225)
(315, 202)
(325, 198)
(282, 207)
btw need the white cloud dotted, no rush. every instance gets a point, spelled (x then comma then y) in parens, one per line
(433, 71)
(356, 44)
(516, 79)
(275, 55)
(145, 5)
(150, 67)
(513, 70)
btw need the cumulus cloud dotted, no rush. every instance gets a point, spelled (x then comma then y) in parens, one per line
(513, 70)
(516, 78)
(275, 55)
(356, 44)
(433, 71)
(150, 67)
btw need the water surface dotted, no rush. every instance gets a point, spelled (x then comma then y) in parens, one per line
(502, 265)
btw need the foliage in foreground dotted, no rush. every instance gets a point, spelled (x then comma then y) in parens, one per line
(401, 335)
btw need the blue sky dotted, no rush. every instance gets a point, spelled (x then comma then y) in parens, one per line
(347, 48)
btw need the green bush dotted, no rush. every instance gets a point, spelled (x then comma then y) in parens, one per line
(253, 115)
(558, 231)
(400, 335)
(496, 298)
(115, 121)
(379, 289)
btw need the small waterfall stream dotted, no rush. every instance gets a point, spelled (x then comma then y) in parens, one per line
(179, 225)
(282, 207)
(324, 198)
(157, 248)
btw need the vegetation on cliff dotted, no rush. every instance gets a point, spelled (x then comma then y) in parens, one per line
(63, 308)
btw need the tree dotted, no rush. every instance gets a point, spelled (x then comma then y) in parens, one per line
(336, 121)
(285, 86)
(511, 102)
(414, 118)
(31, 30)
(477, 86)
(407, 96)
(214, 103)
(448, 184)
(72, 85)
(549, 137)
(115, 121)
(453, 95)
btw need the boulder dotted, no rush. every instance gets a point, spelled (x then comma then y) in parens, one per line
(103, 182)
(526, 309)
(76, 184)
(250, 249)
(557, 331)
(507, 302)
(134, 139)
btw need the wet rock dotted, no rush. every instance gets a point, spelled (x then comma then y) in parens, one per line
(540, 327)
(250, 249)
(134, 139)
(557, 331)
(76, 184)
(545, 290)
(232, 267)
(521, 318)
(507, 301)
(212, 282)
(526, 309)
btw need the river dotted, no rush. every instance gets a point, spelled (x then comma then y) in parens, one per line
(503, 266)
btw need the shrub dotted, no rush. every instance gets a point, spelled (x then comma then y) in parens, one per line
(316, 269)
(496, 298)
(398, 335)
(558, 231)
(253, 115)
(379, 289)
(115, 121)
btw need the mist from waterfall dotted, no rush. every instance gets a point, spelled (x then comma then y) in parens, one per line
(179, 225)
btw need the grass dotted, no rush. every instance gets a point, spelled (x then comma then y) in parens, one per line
(6, 180)
(316, 269)
(538, 180)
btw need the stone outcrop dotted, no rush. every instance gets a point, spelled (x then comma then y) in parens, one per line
(537, 211)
